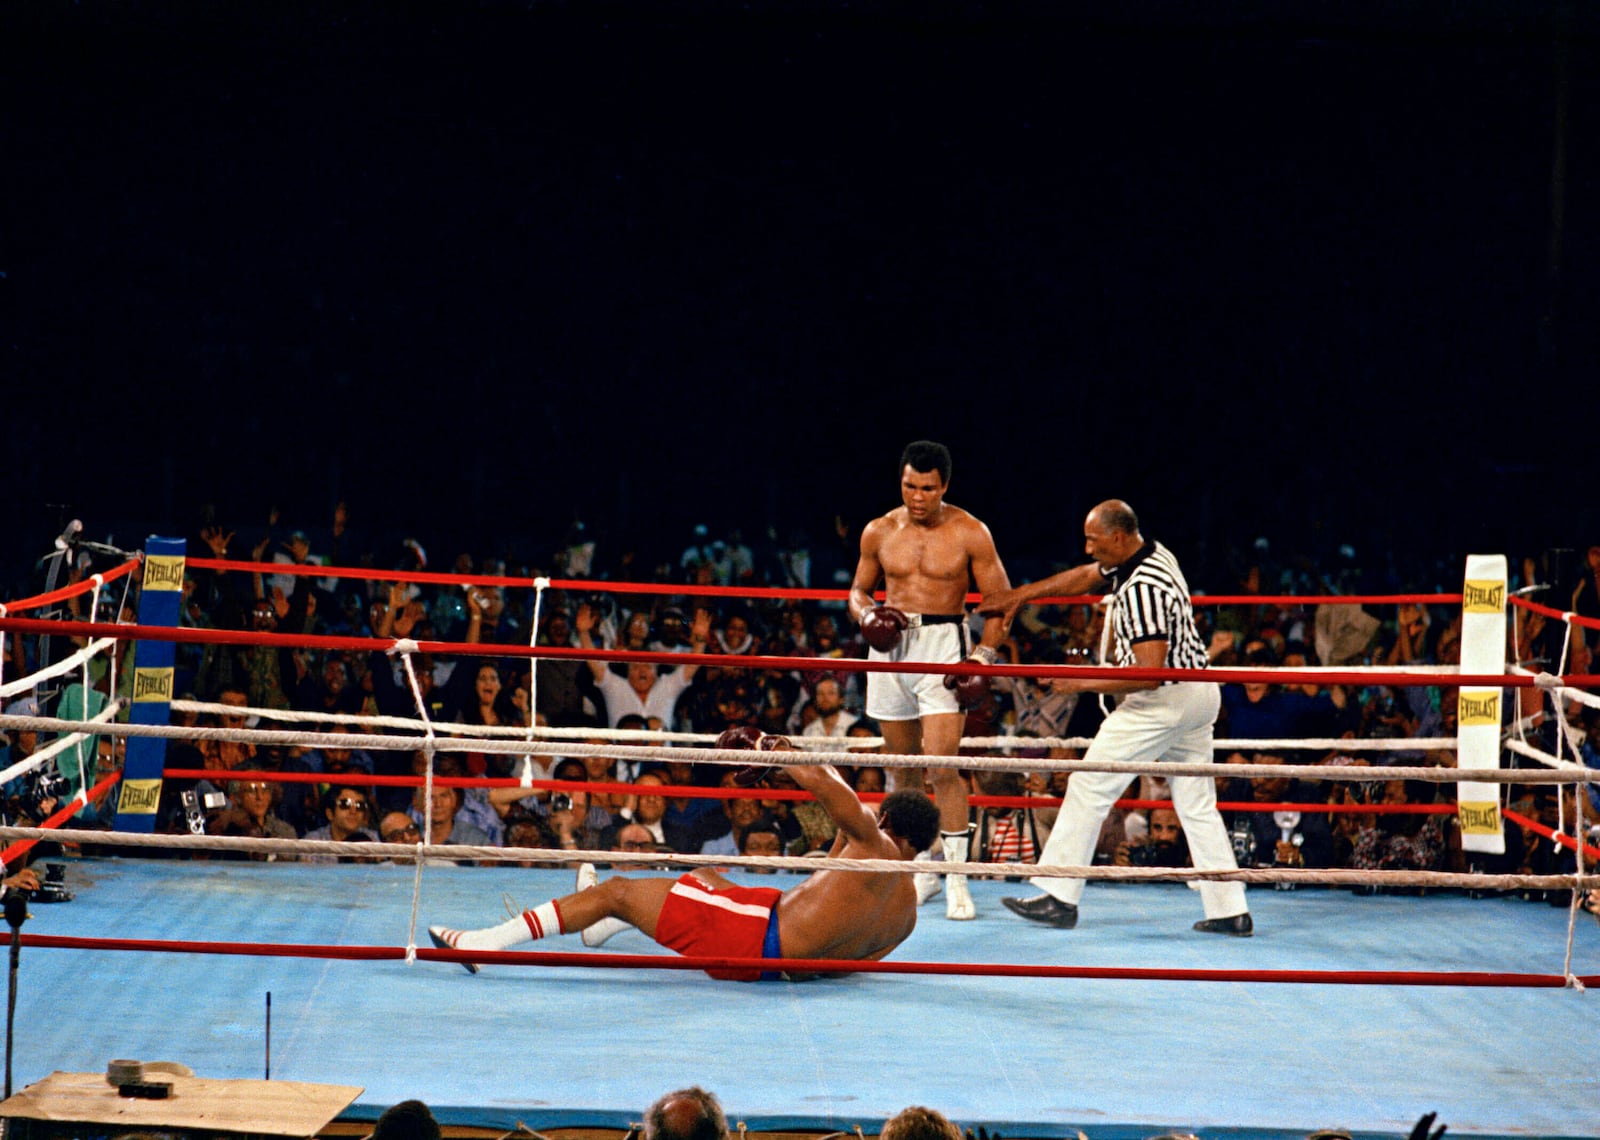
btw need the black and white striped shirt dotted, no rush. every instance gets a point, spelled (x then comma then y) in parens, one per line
(1149, 601)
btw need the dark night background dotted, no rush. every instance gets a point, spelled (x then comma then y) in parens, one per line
(1323, 272)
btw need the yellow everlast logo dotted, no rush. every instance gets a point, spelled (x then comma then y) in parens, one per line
(1479, 818)
(1479, 708)
(1484, 597)
(163, 572)
(152, 684)
(139, 797)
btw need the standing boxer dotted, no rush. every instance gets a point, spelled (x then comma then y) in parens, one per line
(925, 552)
(1152, 627)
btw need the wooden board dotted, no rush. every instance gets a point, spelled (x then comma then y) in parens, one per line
(268, 1108)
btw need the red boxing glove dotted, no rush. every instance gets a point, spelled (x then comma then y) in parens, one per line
(970, 689)
(747, 738)
(882, 626)
(741, 736)
(751, 775)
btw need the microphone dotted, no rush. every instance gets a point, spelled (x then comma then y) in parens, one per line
(16, 904)
(74, 528)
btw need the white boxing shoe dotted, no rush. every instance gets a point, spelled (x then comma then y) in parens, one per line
(927, 883)
(599, 933)
(958, 904)
(453, 940)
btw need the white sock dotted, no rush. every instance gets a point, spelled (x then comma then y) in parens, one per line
(955, 846)
(530, 925)
(927, 883)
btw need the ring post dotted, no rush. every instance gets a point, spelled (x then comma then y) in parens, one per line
(159, 601)
(1483, 650)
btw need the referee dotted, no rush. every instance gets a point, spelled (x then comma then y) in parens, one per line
(1149, 625)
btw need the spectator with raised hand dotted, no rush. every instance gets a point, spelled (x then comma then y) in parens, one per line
(1411, 636)
(397, 619)
(643, 690)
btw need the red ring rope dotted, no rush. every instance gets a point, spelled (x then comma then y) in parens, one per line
(356, 778)
(816, 965)
(1534, 825)
(802, 664)
(1559, 615)
(57, 818)
(38, 601)
(603, 586)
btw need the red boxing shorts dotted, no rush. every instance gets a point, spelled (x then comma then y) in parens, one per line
(698, 921)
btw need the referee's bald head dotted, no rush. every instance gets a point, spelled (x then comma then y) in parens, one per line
(1115, 515)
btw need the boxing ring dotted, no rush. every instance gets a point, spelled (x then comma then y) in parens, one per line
(1024, 1056)
(1348, 1011)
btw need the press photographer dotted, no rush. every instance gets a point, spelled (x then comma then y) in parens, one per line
(1285, 837)
(1163, 844)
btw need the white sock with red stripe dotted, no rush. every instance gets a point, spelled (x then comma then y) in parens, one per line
(540, 922)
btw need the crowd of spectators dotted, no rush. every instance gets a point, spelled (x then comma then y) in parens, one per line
(810, 698)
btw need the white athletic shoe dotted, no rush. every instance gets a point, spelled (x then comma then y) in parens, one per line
(927, 883)
(454, 940)
(599, 933)
(958, 902)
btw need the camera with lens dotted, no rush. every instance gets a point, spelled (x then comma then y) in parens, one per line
(560, 802)
(46, 784)
(1144, 855)
(195, 806)
(1367, 791)
(1242, 838)
(53, 887)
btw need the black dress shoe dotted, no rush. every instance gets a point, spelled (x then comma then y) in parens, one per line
(1239, 925)
(1046, 909)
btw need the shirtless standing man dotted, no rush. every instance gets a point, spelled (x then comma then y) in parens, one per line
(925, 552)
(851, 915)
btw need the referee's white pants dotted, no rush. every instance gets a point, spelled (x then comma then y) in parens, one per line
(1172, 723)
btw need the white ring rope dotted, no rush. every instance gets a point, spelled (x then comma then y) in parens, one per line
(805, 863)
(94, 610)
(541, 734)
(1541, 756)
(427, 799)
(50, 672)
(1551, 683)
(49, 751)
(540, 585)
(848, 759)
(1225, 744)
